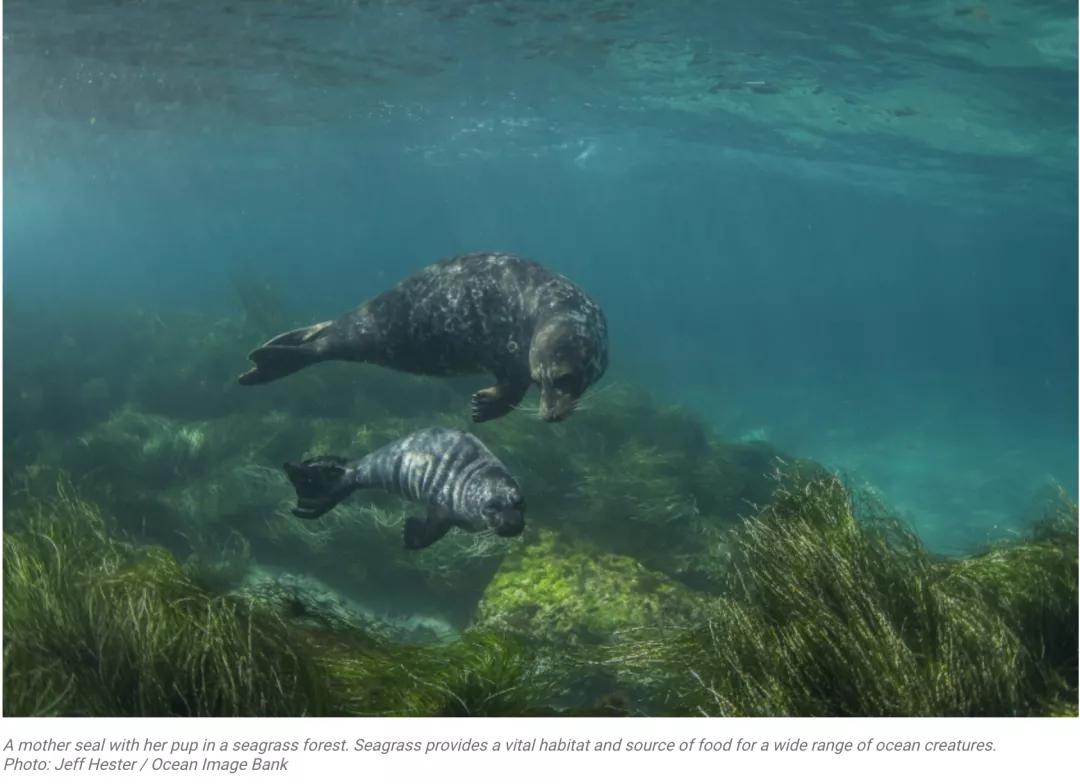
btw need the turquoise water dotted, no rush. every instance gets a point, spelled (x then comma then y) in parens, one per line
(845, 228)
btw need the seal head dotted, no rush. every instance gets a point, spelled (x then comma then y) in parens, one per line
(565, 358)
(501, 504)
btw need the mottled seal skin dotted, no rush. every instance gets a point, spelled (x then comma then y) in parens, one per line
(459, 479)
(489, 312)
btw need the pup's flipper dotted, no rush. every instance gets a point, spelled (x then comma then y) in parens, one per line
(424, 533)
(321, 483)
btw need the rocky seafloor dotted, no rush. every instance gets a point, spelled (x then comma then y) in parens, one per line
(152, 567)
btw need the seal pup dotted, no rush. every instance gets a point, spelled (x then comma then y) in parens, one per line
(492, 312)
(459, 479)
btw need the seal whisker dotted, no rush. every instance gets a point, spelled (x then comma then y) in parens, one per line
(595, 392)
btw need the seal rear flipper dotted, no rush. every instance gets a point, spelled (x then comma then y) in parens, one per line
(286, 354)
(321, 483)
(424, 533)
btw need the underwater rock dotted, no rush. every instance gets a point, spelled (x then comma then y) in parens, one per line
(307, 600)
(358, 549)
(559, 590)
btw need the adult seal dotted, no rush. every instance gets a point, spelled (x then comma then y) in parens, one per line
(460, 480)
(492, 312)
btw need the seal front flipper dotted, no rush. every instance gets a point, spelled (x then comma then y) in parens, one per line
(287, 353)
(424, 533)
(321, 483)
(493, 402)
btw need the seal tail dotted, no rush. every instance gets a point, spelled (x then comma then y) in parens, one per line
(287, 353)
(321, 483)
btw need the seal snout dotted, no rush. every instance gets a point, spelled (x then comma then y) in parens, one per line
(555, 407)
(512, 523)
(506, 515)
(555, 415)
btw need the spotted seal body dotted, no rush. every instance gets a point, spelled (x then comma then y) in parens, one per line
(451, 471)
(490, 312)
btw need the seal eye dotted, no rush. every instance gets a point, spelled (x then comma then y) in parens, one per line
(566, 383)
